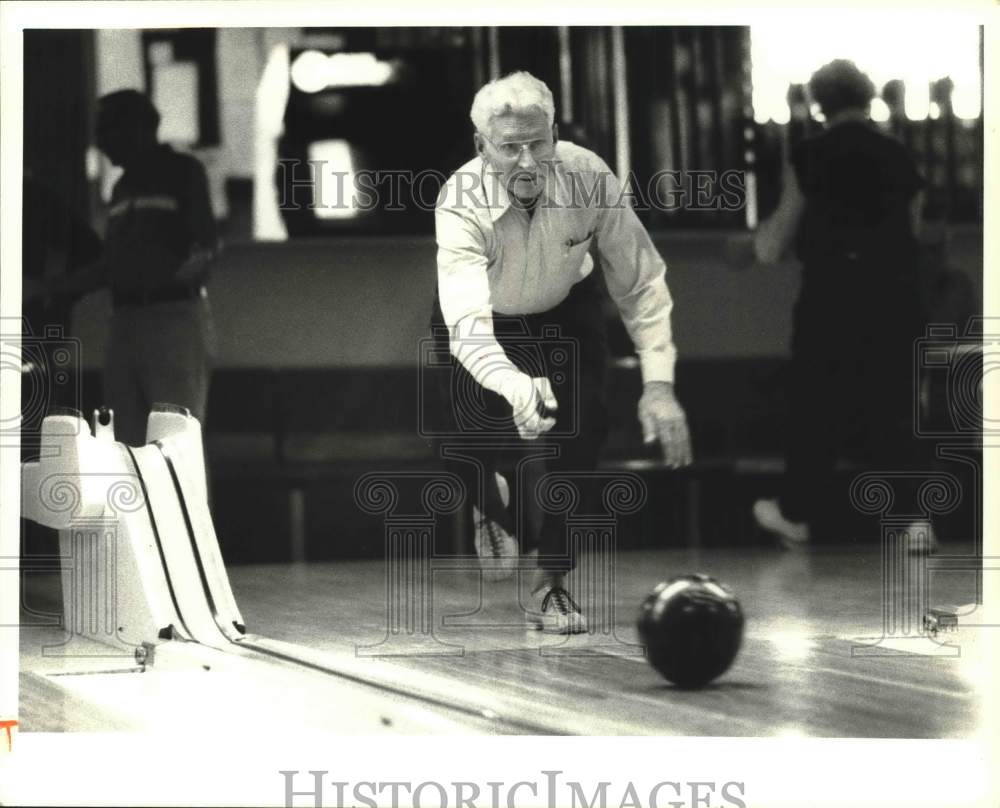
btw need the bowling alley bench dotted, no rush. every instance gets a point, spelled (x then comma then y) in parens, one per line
(286, 447)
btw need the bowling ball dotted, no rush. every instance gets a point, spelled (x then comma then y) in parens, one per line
(692, 627)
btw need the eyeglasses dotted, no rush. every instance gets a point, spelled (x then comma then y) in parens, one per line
(513, 150)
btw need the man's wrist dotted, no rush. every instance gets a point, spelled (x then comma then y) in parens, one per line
(509, 383)
(501, 378)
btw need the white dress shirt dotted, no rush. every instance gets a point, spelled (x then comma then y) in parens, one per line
(493, 257)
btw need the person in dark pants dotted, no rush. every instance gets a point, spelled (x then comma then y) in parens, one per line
(851, 202)
(160, 241)
(518, 309)
(568, 345)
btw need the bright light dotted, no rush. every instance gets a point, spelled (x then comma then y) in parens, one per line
(93, 163)
(313, 71)
(917, 102)
(792, 645)
(790, 731)
(776, 113)
(965, 101)
(309, 71)
(175, 94)
(334, 179)
(880, 110)
(359, 70)
(922, 51)
(270, 100)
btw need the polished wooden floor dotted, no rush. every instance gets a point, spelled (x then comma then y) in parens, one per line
(802, 669)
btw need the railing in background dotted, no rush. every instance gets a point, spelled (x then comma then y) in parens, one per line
(689, 92)
(948, 151)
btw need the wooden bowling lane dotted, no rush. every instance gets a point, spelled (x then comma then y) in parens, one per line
(796, 673)
(191, 688)
(70, 683)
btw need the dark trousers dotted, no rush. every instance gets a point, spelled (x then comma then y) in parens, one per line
(160, 353)
(851, 391)
(477, 435)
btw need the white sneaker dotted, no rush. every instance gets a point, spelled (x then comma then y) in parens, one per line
(557, 612)
(767, 514)
(497, 549)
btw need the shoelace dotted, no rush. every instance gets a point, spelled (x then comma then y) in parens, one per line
(496, 542)
(562, 600)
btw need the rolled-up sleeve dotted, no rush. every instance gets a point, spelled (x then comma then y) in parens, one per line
(636, 279)
(464, 292)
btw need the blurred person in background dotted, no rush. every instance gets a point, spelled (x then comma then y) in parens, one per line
(851, 208)
(161, 239)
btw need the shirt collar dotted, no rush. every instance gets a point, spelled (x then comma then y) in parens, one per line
(498, 200)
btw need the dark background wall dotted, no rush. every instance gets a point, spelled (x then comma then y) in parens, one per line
(58, 111)
(357, 301)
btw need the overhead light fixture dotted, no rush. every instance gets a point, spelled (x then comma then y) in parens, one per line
(309, 71)
(313, 70)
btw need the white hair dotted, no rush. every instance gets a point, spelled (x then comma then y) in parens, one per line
(514, 93)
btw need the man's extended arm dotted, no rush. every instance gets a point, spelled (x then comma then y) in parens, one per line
(636, 278)
(464, 293)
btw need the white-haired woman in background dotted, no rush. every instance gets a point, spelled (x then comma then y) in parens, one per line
(851, 208)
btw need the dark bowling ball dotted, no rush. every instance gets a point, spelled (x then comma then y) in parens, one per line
(692, 627)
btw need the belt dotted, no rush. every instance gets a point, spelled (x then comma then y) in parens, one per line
(165, 294)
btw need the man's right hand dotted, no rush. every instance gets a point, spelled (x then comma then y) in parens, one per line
(533, 403)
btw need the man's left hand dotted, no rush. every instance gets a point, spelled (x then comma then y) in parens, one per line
(663, 420)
